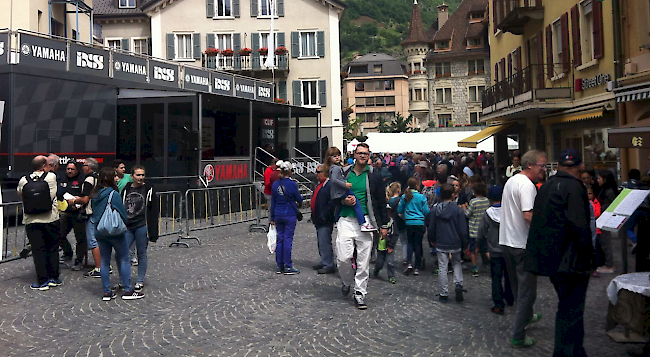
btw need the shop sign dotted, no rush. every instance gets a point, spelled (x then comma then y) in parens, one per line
(267, 134)
(219, 173)
(222, 83)
(86, 60)
(130, 68)
(305, 167)
(639, 139)
(162, 73)
(196, 79)
(41, 52)
(599, 80)
(264, 92)
(4, 47)
(244, 88)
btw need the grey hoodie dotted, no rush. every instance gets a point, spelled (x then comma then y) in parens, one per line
(488, 231)
(448, 227)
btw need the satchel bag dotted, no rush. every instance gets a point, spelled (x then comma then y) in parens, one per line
(295, 208)
(111, 223)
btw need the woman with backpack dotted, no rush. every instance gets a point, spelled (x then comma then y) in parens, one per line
(106, 194)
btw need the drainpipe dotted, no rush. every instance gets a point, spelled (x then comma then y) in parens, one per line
(619, 111)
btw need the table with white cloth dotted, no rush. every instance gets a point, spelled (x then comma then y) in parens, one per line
(629, 297)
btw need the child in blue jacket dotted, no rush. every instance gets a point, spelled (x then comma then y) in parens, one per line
(413, 206)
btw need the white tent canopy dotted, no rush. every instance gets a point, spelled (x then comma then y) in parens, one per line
(426, 142)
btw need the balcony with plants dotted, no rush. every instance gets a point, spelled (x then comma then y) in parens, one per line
(245, 59)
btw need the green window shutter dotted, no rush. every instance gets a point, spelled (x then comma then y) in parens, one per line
(281, 39)
(255, 40)
(171, 53)
(322, 94)
(235, 8)
(149, 51)
(295, 44)
(296, 93)
(197, 45)
(209, 39)
(320, 43)
(209, 8)
(282, 90)
(125, 44)
(280, 7)
(255, 45)
(253, 8)
(236, 43)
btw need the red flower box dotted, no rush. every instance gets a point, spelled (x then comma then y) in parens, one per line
(245, 51)
(280, 51)
(228, 52)
(263, 51)
(211, 52)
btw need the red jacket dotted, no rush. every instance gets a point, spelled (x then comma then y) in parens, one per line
(597, 212)
(271, 174)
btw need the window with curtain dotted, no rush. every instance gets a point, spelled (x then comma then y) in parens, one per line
(309, 93)
(308, 44)
(265, 8)
(223, 8)
(184, 46)
(140, 46)
(127, 4)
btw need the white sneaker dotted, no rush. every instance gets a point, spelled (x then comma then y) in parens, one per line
(367, 227)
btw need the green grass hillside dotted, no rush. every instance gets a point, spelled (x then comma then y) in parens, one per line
(371, 26)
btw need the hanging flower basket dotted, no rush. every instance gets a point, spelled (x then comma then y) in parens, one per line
(228, 52)
(211, 52)
(263, 51)
(281, 51)
(245, 51)
(280, 100)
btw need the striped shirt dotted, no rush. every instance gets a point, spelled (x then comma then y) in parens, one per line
(475, 211)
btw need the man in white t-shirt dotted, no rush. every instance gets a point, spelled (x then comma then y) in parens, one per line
(516, 214)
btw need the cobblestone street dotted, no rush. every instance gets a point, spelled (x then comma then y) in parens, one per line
(224, 298)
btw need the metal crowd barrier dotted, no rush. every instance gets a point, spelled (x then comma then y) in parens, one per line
(170, 213)
(13, 239)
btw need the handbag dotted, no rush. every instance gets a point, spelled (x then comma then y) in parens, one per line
(295, 208)
(271, 239)
(111, 223)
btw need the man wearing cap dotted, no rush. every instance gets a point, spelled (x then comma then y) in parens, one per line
(560, 247)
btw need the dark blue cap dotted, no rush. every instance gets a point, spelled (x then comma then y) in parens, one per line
(570, 158)
(495, 193)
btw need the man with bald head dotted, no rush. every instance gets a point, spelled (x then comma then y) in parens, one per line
(40, 216)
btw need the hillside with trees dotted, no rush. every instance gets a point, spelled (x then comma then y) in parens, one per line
(370, 26)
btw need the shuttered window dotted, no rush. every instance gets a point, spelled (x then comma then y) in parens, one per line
(575, 36)
(599, 50)
(549, 52)
(564, 35)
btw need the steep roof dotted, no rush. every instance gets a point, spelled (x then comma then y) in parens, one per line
(111, 8)
(458, 29)
(390, 66)
(432, 30)
(416, 27)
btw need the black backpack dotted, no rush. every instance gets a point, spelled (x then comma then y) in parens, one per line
(36, 195)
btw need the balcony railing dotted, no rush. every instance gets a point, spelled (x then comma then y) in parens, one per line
(244, 63)
(512, 15)
(529, 84)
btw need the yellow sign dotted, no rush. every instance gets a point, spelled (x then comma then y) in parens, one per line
(637, 141)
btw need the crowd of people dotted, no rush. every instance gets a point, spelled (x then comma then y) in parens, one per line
(530, 222)
(83, 200)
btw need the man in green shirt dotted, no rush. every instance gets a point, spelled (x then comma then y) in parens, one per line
(120, 169)
(368, 188)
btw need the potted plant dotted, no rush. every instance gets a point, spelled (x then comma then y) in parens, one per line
(211, 52)
(281, 51)
(409, 72)
(245, 51)
(228, 52)
(263, 51)
(280, 100)
(417, 71)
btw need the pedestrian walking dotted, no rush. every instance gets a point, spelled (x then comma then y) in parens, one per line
(447, 231)
(141, 219)
(414, 207)
(322, 216)
(607, 195)
(386, 245)
(488, 236)
(393, 193)
(516, 214)
(368, 189)
(41, 216)
(104, 194)
(560, 247)
(124, 178)
(475, 211)
(285, 199)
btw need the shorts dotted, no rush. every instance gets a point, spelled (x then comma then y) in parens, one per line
(90, 234)
(472, 245)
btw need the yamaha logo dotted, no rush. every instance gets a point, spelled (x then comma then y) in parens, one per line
(118, 66)
(25, 50)
(187, 78)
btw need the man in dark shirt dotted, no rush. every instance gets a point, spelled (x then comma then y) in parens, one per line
(322, 215)
(72, 218)
(560, 246)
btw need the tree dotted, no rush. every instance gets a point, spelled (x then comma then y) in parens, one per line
(384, 127)
(402, 125)
(350, 128)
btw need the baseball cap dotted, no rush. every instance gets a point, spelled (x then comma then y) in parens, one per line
(495, 193)
(423, 164)
(570, 158)
(277, 164)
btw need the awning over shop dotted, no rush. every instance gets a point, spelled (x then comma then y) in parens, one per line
(474, 140)
(590, 114)
(633, 135)
(632, 93)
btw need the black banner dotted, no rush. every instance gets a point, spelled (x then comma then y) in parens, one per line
(41, 52)
(244, 88)
(131, 68)
(222, 83)
(196, 79)
(264, 92)
(86, 60)
(4, 48)
(163, 74)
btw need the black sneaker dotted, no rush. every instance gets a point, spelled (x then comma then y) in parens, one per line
(318, 266)
(408, 269)
(345, 289)
(132, 295)
(138, 287)
(291, 271)
(93, 273)
(326, 270)
(375, 272)
(359, 300)
(65, 259)
(416, 272)
(459, 293)
(109, 296)
(55, 282)
(77, 266)
(443, 298)
(279, 270)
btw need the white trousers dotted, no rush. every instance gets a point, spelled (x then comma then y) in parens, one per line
(349, 236)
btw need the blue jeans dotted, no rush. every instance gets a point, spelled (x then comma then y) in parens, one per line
(139, 235)
(90, 234)
(106, 246)
(324, 235)
(285, 226)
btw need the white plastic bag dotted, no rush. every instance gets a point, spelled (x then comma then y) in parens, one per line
(271, 238)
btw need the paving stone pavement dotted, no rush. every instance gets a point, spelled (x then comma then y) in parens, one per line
(223, 298)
